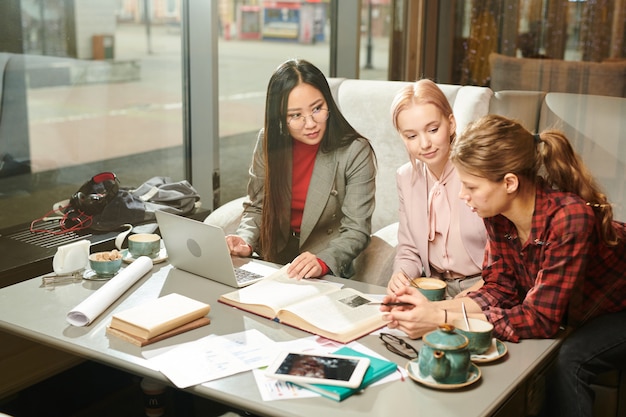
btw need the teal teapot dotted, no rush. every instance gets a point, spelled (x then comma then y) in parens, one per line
(445, 356)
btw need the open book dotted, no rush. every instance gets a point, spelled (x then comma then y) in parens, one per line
(158, 316)
(322, 308)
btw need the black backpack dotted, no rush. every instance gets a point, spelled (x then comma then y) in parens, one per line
(102, 205)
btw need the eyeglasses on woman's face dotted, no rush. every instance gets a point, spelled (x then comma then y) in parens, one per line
(298, 121)
(398, 346)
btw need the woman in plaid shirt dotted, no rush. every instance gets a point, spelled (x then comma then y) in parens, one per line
(555, 258)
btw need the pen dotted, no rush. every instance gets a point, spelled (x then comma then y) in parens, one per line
(397, 304)
(409, 278)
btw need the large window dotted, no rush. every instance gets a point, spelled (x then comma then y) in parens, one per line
(99, 86)
(94, 86)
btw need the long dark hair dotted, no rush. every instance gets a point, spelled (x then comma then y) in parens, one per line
(278, 142)
(493, 146)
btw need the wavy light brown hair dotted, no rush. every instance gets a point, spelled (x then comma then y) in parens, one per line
(493, 146)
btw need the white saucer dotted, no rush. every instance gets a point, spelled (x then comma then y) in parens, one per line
(90, 275)
(414, 373)
(495, 352)
(161, 257)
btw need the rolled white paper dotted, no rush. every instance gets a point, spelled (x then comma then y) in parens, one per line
(87, 311)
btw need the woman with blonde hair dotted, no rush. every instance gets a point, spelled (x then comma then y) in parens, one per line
(555, 256)
(438, 235)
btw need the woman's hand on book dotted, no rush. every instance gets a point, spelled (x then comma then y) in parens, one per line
(304, 265)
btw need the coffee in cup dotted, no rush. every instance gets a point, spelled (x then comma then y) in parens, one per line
(432, 288)
(479, 334)
(144, 244)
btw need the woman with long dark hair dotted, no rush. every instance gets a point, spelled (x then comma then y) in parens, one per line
(312, 180)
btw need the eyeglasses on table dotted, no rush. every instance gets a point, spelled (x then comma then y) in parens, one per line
(398, 346)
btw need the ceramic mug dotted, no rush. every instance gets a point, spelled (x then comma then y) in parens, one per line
(105, 264)
(434, 289)
(144, 244)
(479, 334)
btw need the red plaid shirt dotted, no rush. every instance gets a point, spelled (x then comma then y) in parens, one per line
(562, 272)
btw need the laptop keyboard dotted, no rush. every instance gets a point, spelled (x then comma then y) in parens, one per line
(245, 276)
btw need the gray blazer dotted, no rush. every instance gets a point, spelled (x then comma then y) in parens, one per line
(336, 223)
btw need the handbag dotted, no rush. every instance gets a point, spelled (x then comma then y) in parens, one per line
(101, 205)
(137, 206)
(93, 196)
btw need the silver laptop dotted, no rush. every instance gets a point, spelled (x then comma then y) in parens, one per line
(201, 249)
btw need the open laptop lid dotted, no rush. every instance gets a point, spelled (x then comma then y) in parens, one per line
(198, 248)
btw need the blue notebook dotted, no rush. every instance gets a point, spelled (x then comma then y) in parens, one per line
(378, 369)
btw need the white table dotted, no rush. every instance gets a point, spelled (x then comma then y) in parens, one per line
(34, 312)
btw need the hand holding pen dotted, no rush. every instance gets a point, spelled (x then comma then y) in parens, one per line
(393, 303)
(390, 304)
(416, 318)
(398, 280)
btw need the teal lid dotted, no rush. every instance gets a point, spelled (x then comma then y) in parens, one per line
(445, 338)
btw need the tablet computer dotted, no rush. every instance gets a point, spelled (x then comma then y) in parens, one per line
(339, 370)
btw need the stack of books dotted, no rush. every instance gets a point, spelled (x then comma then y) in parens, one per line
(159, 319)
